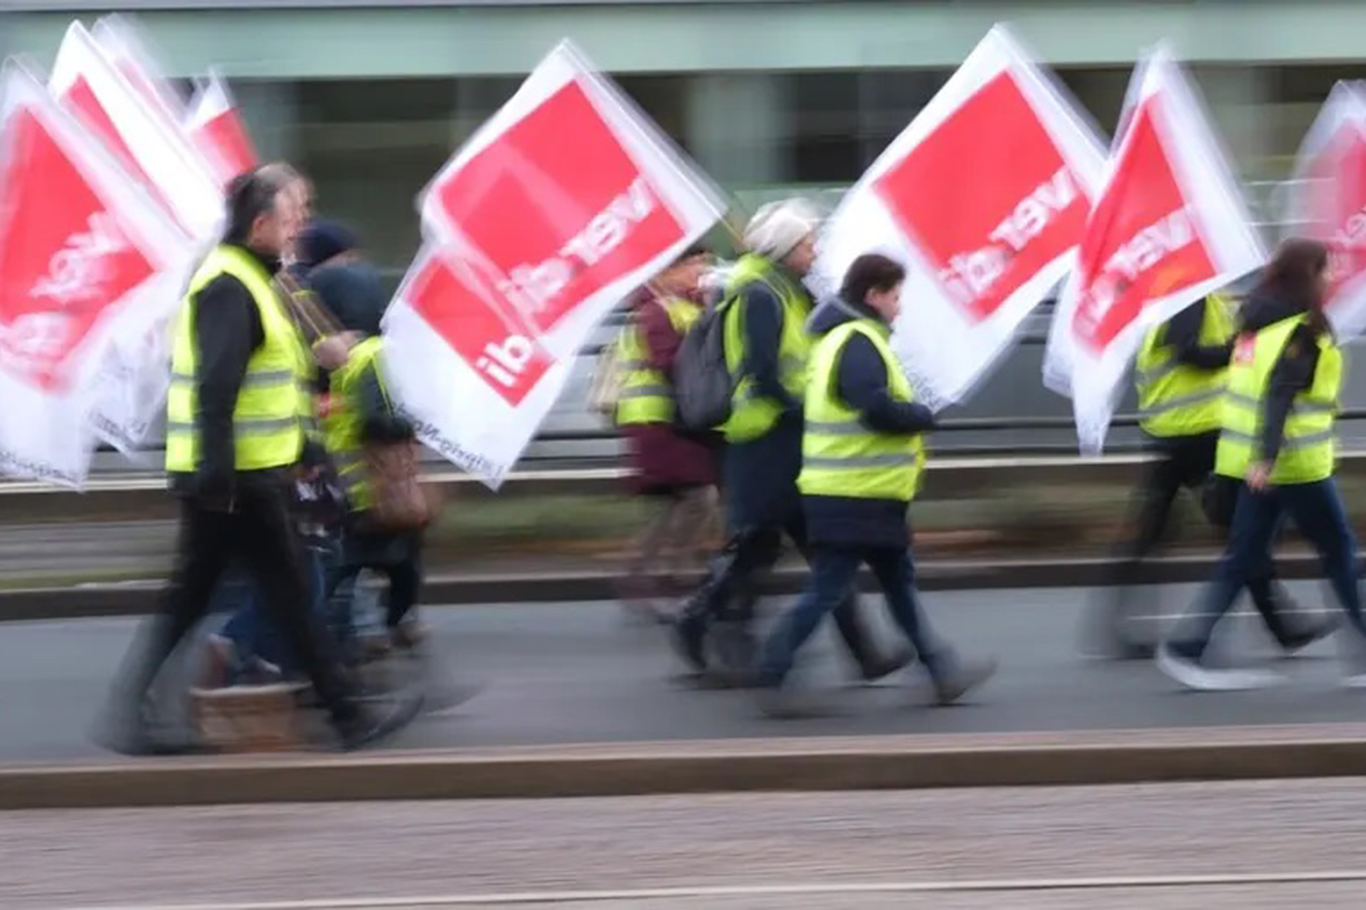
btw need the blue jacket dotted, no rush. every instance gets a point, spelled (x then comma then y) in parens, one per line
(861, 383)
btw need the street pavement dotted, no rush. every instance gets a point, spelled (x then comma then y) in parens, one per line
(580, 673)
(1250, 845)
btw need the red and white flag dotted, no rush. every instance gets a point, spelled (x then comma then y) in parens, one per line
(215, 126)
(563, 203)
(156, 153)
(149, 146)
(83, 255)
(984, 198)
(1328, 201)
(1169, 227)
(127, 49)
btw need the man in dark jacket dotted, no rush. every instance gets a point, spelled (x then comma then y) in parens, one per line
(862, 457)
(766, 351)
(235, 329)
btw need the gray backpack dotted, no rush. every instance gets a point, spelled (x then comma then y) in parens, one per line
(703, 387)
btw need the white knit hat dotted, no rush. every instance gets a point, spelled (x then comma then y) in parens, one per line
(779, 226)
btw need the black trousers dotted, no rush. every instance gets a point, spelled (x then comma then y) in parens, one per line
(397, 555)
(1185, 462)
(730, 591)
(259, 532)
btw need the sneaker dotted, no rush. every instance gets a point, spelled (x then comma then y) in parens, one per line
(965, 676)
(689, 637)
(881, 667)
(1316, 631)
(1194, 675)
(373, 724)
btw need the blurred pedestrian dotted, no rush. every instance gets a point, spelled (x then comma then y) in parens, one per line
(1182, 372)
(672, 470)
(234, 436)
(863, 452)
(1277, 438)
(766, 345)
(362, 414)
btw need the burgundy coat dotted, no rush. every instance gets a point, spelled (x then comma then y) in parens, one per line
(663, 458)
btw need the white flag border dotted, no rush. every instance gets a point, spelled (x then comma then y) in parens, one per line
(120, 34)
(690, 197)
(1080, 145)
(423, 369)
(1205, 177)
(141, 217)
(1344, 108)
(159, 145)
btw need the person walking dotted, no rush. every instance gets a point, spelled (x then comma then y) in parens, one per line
(863, 453)
(766, 347)
(673, 470)
(362, 413)
(1277, 439)
(1181, 374)
(234, 435)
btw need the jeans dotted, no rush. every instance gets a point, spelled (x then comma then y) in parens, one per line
(1317, 510)
(833, 575)
(254, 635)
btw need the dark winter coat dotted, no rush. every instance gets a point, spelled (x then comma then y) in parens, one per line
(664, 458)
(861, 382)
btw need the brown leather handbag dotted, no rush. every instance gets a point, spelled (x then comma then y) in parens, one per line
(401, 502)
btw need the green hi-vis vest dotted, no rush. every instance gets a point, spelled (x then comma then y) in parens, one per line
(342, 425)
(267, 427)
(1176, 399)
(1307, 450)
(752, 415)
(840, 455)
(646, 394)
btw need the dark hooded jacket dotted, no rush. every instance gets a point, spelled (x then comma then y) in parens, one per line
(1293, 373)
(862, 384)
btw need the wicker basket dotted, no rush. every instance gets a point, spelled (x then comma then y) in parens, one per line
(248, 718)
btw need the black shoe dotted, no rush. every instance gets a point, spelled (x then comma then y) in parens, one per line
(689, 637)
(373, 723)
(1303, 638)
(882, 667)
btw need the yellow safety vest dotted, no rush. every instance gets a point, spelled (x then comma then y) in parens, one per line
(751, 414)
(267, 430)
(342, 425)
(841, 456)
(1176, 399)
(1307, 452)
(646, 394)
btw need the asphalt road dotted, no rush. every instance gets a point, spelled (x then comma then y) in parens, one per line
(575, 673)
(1233, 846)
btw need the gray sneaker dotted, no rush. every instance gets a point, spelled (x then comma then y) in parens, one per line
(961, 678)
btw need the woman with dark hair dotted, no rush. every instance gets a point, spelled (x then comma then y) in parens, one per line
(863, 452)
(1277, 439)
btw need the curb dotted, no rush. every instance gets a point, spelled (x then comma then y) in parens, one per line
(115, 599)
(777, 765)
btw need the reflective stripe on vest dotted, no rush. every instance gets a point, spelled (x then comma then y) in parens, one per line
(1177, 399)
(342, 425)
(1308, 449)
(753, 415)
(267, 432)
(840, 455)
(646, 394)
